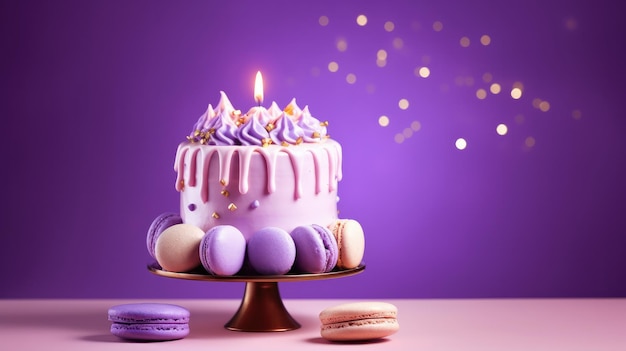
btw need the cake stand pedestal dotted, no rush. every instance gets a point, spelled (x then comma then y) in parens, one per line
(261, 308)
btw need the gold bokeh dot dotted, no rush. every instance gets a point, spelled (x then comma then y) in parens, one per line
(323, 21)
(403, 104)
(437, 26)
(381, 63)
(383, 121)
(481, 94)
(424, 72)
(495, 88)
(529, 141)
(502, 129)
(399, 138)
(398, 43)
(361, 20)
(465, 42)
(407, 132)
(342, 44)
(544, 106)
(351, 78)
(485, 40)
(487, 77)
(416, 125)
(389, 26)
(518, 85)
(516, 93)
(536, 102)
(381, 54)
(333, 66)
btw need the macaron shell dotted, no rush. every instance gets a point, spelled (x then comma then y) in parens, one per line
(330, 246)
(350, 241)
(361, 330)
(158, 225)
(223, 250)
(150, 332)
(148, 313)
(177, 248)
(271, 251)
(358, 310)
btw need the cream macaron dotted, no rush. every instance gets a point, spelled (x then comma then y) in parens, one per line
(359, 321)
(350, 241)
(177, 248)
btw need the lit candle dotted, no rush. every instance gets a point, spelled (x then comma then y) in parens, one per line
(258, 88)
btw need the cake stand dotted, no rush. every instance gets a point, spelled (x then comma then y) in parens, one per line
(261, 308)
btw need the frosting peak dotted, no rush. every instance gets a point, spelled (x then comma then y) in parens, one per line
(225, 125)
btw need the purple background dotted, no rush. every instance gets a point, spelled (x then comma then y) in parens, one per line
(96, 95)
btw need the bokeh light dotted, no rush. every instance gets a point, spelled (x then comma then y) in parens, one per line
(495, 88)
(460, 144)
(481, 94)
(333, 66)
(342, 44)
(516, 93)
(485, 40)
(389, 26)
(437, 26)
(383, 121)
(403, 104)
(502, 129)
(465, 42)
(423, 72)
(416, 125)
(351, 78)
(323, 20)
(361, 20)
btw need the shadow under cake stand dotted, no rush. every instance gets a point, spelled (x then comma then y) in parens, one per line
(261, 308)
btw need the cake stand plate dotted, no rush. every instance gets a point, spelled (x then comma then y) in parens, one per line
(261, 308)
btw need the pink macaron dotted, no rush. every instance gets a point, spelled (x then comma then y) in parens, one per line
(359, 321)
(223, 250)
(271, 251)
(351, 242)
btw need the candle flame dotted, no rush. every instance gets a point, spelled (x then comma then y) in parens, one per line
(258, 88)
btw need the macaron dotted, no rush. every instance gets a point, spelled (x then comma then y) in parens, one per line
(177, 248)
(351, 242)
(223, 250)
(271, 251)
(359, 321)
(159, 224)
(149, 321)
(316, 249)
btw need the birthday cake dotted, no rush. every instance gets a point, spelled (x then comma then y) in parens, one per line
(264, 168)
(273, 170)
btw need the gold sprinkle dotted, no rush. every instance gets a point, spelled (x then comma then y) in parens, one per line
(215, 215)
(236, 113)
(211, 131)
(284, 143)
(190, 138)
(225, 193)
(288, 109)
(269, 127)
(266, 142)
(315, 135)
(182, 184)
(240, 121)
(324, 124)
(299, 141)
(223, 182)
(197, 132)
(232, 207)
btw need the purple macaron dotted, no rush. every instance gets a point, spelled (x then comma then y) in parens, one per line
(149, 321)
(271, 251)
(223, 250)
(159, 224)
(316, 249)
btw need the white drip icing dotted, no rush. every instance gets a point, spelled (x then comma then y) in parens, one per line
(186, 164)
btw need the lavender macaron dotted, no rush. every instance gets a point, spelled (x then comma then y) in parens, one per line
(271, 251)
(159, 224)
(223, 250)
(316, 249)
(149, 321)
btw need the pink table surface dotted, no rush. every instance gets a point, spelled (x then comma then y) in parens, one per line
(425, 324)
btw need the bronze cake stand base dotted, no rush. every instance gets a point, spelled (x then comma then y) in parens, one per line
(261, 308)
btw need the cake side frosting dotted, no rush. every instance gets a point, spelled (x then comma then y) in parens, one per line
(251, 187)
